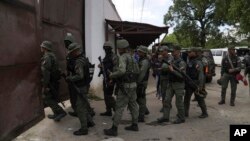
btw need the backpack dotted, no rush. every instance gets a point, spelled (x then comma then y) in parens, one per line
(132, 70)
(89, 70)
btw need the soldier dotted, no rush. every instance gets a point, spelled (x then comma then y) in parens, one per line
(164, 71)
(204, 61)
(230, 67)
(142, 81)
(126, 73)
(50, 77)
(175, 87)
(79, 81)
(110, 61)
(69, 38)
(195, 72)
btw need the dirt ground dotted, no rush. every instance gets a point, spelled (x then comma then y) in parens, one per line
(213, 128)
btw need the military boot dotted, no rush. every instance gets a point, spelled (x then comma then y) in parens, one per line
(162, 119)
(133, 127)
(73, 114)
(221, 102)
(107, 113)
(51, 116)
(81, 132)
(203, 115)
(60, 116)
(141, 119)
(232, 103)
(111, 132)
(179, 121)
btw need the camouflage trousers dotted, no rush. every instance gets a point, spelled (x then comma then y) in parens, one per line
(50, 99)
(123, 99)
(226, 78)
(177, 89)
(141, 99)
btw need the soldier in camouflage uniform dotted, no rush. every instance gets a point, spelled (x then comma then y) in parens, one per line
(204, 61)
(195, 72)
(79, 81)
(228, 73)
(50, 77)
(69, 38)
(127, 88)
(142, 81)
(110, 61)
(175, 87)
(164, 74)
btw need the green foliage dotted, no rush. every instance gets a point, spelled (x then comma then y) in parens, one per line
(239, 13)
(195, 20)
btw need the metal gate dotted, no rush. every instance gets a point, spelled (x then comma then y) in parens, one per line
(23, 25)
(20, 97)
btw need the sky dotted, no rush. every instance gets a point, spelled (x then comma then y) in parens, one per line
(153, 11)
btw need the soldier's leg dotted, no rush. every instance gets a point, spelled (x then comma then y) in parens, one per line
(225, 80)
(109, 99)
(133, 108)
(187, 98)
(81, 108)
(121, 102)
(141, 100)
(72, 98)
(167, 102)
(179, 93)
(164, 85)
(233, 82)
(202, 105)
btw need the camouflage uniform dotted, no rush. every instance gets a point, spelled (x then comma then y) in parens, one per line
(50, 77)
(109, 62)
(142, 82)
(226, 76)
(164, 74)
(78, 80)
(70, 62)
(196, 73)
(126, 90)
(175, 87)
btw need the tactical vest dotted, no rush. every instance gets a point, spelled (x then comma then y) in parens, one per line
(132, 70)
(86, 80)
(170, 60)
(55, 73)
(228, 65)
(147, 73)
(174, 78)
(108, 62)
(71, 62)
(191, 70)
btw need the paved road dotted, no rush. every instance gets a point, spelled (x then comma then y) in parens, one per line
(213, 128)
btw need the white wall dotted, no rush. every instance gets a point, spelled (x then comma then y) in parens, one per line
(96, 11)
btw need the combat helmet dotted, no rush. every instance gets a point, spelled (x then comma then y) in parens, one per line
(47, 45)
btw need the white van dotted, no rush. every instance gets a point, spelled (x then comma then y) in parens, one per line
(218, 54)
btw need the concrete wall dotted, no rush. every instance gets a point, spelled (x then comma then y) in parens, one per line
(96, 11)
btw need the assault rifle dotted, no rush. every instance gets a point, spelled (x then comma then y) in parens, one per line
(103, 72)
(188, 80)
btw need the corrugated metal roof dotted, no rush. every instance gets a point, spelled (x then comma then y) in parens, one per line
(136, 33)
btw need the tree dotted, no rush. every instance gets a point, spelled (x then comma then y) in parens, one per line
(239, 15)
(195, 20)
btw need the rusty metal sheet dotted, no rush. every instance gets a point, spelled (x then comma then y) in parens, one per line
(20, 98)
(18, 37)
(53, 11)
(56, 23)
(73, 14)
